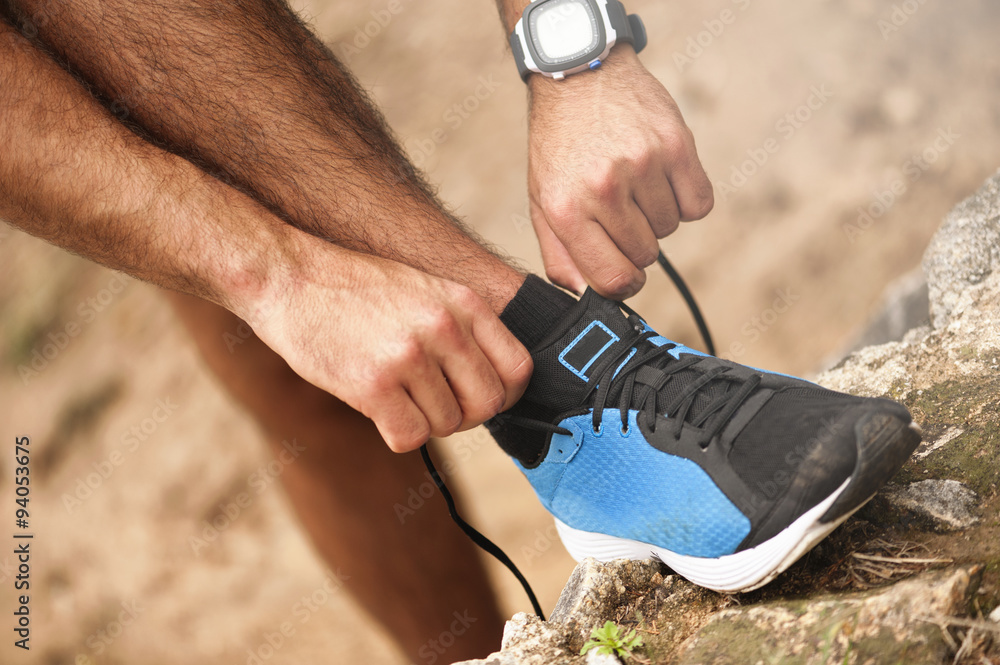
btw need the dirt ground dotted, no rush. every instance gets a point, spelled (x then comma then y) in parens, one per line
(837, 135)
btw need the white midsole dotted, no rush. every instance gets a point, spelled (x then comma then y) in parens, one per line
(742, 571)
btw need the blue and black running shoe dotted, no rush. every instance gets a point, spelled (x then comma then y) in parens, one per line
(641, 447)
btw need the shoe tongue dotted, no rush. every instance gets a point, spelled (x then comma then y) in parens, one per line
(591, 332)
(595, 329)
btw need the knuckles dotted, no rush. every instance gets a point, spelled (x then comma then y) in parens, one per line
(604, 182)
(466, 299)
(562, 210)
(702, 204)
(645, 256)
(404, 442)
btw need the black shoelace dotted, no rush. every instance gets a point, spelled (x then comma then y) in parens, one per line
(651, 371)
(638, 382)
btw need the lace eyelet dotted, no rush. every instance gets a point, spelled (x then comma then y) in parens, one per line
(598, 431)
(623, 430)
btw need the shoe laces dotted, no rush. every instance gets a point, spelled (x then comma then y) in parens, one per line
(639, 377)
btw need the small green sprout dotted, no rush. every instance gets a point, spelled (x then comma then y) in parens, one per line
(608, 639)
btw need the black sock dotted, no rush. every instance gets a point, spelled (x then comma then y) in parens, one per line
(533, 311)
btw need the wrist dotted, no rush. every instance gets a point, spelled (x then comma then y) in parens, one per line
(260, 263)
(621, 64)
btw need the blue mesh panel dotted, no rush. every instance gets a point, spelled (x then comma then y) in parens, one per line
(621, 486)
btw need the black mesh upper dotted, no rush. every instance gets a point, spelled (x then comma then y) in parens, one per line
(554, 389)
(777, 438)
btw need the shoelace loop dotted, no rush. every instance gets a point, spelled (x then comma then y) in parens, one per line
(636, 377)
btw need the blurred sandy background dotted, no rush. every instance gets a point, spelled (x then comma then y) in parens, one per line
(791, 228)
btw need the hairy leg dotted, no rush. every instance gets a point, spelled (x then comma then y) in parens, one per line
(244, 90)
(415, 575)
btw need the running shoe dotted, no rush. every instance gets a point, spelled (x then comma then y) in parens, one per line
(642, 447)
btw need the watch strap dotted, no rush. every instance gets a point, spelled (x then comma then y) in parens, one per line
(628, 26)
(518, 52)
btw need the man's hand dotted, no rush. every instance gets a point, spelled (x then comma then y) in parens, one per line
(419, 355)
(612, 168)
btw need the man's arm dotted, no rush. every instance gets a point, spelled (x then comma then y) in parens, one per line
(245, 91)
(612, 168)
(419, 355)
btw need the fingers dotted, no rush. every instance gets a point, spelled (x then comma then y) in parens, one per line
(606, 268)
(655, 199)
(591, 232)
(559, 265)
(474, 384)
(689, 182)
(399, 420)
(507, 356)
(466, 368)
(432, 394)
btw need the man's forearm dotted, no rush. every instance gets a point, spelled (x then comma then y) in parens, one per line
(248, 93)
(72, 174)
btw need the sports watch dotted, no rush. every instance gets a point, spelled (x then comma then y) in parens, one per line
(556, 38)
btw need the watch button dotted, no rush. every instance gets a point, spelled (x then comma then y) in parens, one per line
(595, 64)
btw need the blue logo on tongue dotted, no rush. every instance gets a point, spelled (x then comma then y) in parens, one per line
(588, 346)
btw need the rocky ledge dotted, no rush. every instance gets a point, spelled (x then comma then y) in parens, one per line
(913, 577)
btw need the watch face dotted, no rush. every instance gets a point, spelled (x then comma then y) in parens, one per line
(564, 30)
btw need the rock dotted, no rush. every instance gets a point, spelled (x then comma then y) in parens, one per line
(995, 614)
(594, 658)
(594, 587)
(622, 591)
(904, 305)
(928, 447)
(596, 592)
(948, 504)
(895, 624)
(527, 640)
(964, 251)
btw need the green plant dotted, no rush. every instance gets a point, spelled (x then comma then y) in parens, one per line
(608, 639)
